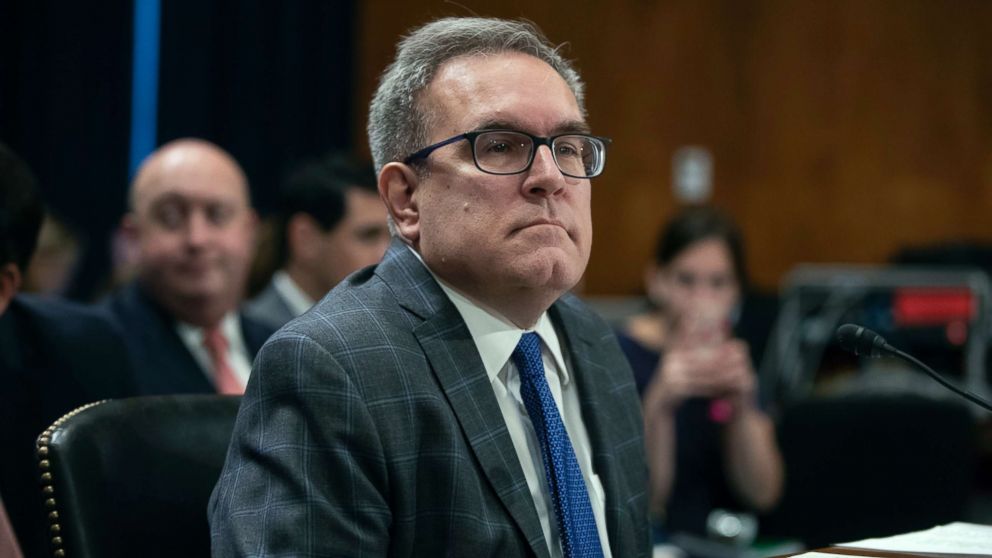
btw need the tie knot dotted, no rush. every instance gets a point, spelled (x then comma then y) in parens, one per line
(527, 356)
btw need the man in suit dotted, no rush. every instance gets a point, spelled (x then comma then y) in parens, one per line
(454, 400)
(330, 223)
(54, 356)
(194, 228)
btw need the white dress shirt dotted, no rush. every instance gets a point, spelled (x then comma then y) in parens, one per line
(297, 300)
(237, 352)
(496, 338)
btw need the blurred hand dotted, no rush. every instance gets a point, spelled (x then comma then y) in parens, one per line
(702, 365)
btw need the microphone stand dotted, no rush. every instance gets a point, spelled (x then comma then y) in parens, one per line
(940, 379)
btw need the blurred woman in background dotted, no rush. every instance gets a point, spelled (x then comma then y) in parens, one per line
(709, 444)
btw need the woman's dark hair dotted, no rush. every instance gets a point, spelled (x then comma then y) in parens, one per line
(699, 223)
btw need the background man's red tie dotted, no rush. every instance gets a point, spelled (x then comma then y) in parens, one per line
(224, 378)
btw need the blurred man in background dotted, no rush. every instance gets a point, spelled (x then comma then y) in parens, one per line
(191, 220)
(331, 222)
(54, 357)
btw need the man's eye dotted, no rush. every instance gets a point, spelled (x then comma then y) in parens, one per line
(720, 282)
(685, 279)
(501, 147)
(567, 149)
(170, 216)
(219, 214)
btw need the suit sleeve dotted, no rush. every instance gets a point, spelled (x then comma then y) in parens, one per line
(305, 474)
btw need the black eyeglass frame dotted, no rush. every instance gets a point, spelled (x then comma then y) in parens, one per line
(537, 141)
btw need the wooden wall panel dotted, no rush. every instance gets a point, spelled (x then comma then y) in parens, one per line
(841, 131)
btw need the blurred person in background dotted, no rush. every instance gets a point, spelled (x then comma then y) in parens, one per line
(54, 261)
(54, 357)
(192, 223)
(331, 222)
(709, 444)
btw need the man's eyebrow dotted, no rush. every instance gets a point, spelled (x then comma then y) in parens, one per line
(165, 199)
(497, 125)
(575, 126)
(572, 126)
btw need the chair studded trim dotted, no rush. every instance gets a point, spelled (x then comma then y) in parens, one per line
(55, 517)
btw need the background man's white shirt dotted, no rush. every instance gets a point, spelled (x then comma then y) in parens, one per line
(291, 293)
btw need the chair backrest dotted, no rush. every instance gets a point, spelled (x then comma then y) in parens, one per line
(873, 465)
(132, 477)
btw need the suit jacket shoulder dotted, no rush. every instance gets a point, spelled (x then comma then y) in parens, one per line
(161, 362)
(54, 356)
(86, 347)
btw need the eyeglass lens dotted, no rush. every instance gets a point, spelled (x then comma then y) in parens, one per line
(504, 152)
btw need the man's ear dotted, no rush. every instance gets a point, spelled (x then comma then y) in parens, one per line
(129, 227)
(397, 185)
(10, 281)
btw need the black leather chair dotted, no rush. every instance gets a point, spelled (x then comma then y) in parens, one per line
(863, 466)
(132, 477)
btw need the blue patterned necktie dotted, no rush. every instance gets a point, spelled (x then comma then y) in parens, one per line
(576, 522)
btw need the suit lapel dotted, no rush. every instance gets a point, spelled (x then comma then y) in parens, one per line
(596, 396)
(164, 363)
(455, 362)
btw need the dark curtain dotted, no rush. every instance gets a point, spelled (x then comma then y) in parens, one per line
(269, 81)
(65, 108)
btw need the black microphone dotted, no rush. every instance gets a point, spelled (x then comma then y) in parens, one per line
(864, 342)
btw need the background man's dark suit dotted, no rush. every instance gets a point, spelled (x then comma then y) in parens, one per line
(162, 363)
(381, 433)
(54, 357)
(269, 307)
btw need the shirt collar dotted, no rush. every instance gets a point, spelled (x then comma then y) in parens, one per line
(495, 336)
(297, 300)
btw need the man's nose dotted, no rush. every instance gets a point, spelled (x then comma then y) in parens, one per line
(198, 229)
(544, 177)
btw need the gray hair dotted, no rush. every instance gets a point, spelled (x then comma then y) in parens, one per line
(398, 125)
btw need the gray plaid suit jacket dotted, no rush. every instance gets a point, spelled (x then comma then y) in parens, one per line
(370, 428)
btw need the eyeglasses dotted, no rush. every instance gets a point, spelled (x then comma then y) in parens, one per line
(512, 152)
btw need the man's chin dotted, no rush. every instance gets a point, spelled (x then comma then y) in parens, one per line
(550, 271)
(201, 295)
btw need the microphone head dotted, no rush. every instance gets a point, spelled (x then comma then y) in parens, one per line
(861, 341)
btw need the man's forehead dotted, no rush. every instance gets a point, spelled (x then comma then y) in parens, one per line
(506, 90)
(193, 195)
(190, 182)
(159, 194)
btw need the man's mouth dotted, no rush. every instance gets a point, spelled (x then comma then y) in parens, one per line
(544, 221)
